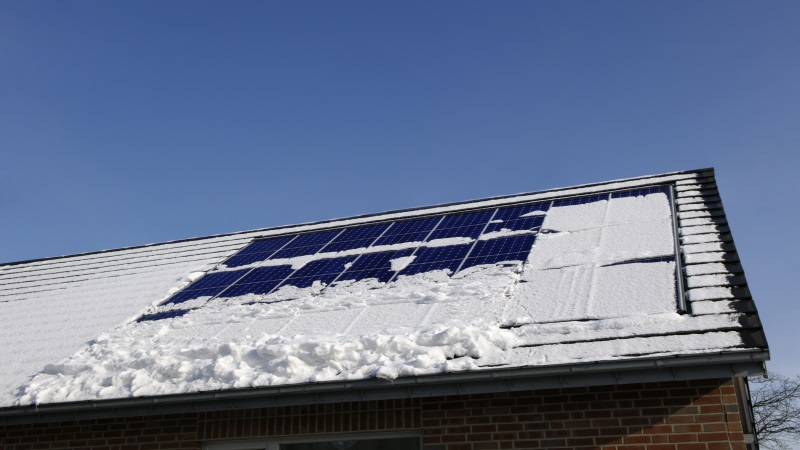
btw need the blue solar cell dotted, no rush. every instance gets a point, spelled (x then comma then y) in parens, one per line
(408, 231)
(214, 279)
(476, 218)
(322, 270)
(306, 244)
(437, 258)
(163, 315)
(516, 212)
(192, 294)
(525, 223)
(374, 265)
(267, 273)
(261, 280)
(513, 248)
(642, 191)
(580, 200)
(511, 244)
(262, 288)
(524, 217)
(296, 251)
(240, 259)
(358, 237)
(462, 225)
(472, 231)
(256, 251)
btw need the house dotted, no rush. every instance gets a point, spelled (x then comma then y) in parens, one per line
(613, 315)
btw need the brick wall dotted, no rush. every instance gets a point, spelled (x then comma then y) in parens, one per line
(697, 415)
(701, 415)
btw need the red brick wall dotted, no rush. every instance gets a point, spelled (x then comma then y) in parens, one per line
(700, 415)
(697, 415)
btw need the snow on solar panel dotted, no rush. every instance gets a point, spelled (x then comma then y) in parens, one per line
(374, 265)
(383, 252)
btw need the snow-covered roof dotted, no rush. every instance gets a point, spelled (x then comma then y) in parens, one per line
(598, 286)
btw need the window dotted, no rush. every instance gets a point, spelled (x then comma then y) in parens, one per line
(369, 441)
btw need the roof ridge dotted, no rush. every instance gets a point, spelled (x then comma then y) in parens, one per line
(365, 216)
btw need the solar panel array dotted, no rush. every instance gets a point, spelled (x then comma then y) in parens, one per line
(380, 251)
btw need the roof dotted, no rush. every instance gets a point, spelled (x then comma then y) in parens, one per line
(597, 292)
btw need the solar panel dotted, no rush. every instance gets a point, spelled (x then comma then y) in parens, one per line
(245, 259)
(408, 231)
(580, 200)
(322, 270)
(508, 249)
(437, 258)
(357, 237)
(261, 280)
(306, 244)
(193, 294)
(210, 285)
(462, 225)
(525, 217)
(257, 251)
(641, 192)
(215, 279)
(491, 236)
(374, 265)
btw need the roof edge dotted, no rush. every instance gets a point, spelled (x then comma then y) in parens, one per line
(361, 216)
(643, 370)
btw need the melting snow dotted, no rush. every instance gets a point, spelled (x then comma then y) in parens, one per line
(399, 264)
(534, 214)
(503, 232)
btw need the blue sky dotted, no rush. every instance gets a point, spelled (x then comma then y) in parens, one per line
(124, 123)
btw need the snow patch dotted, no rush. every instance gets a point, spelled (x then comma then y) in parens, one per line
(194, 276)
(534, 214)
(503, 232)
(399, 264)
(445, 242)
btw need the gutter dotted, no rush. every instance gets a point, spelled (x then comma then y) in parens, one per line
(643, 370)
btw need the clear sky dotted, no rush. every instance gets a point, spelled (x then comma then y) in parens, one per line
(124, 123)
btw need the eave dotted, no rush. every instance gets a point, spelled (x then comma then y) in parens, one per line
(641, 370)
